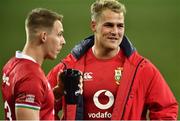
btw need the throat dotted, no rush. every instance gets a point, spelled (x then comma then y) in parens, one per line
(105, 54)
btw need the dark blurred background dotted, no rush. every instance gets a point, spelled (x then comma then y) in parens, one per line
(151, 25)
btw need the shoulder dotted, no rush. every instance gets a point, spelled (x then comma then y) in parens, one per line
(27, 66)
(149, 73)
(147, 76)
(21, 67)
(30, 77)
(145, 67)
(10, 63)
(26, 71)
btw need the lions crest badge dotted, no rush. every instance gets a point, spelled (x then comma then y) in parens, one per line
(118, 74)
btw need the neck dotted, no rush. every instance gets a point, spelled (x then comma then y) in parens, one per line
(34, 52)
(104, 53)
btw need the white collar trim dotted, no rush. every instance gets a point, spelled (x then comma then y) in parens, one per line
(21, 55)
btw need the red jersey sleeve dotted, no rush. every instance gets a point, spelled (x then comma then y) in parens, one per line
(29, 92)
(160, 99)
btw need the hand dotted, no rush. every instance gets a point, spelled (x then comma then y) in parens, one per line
(58, 90)
(80, 85)
(73, 87)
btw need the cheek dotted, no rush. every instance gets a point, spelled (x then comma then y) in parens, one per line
(56, 41)
(121, 31)
(52, 45)
(105, 32)
(102, 32)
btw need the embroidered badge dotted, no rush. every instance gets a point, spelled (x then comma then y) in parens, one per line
(118, 74)
(30, 98)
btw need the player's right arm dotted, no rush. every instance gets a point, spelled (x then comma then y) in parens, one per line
(26, 114)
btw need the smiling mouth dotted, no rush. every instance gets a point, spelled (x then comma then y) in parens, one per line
(113, 38)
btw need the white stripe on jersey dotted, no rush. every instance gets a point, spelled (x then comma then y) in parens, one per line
(27, 106)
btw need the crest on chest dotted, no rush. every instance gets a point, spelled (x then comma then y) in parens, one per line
(118, 74)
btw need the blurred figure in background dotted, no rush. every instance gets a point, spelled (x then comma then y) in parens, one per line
(118, 83)
(26, 92)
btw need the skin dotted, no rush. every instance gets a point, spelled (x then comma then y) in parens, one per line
(108, 30)
(45, 45)
(55, 41)
(26, 114)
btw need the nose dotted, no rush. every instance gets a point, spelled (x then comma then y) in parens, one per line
(115, 30)
(63, 42)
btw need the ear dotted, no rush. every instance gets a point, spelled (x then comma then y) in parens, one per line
(43, 36)
(93, 26)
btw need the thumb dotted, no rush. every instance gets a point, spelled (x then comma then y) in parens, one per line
(58, 75)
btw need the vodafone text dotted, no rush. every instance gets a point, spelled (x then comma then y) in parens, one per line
(100, 115)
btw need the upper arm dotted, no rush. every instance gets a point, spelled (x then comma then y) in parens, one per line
(160, 99)
(29, 97)
(27, 114)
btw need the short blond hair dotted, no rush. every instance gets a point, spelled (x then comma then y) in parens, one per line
(100, 5)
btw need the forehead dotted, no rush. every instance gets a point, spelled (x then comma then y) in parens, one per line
(109, 15)
(58, 26)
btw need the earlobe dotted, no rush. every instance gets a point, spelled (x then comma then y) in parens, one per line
(43, 36)
(93, 26)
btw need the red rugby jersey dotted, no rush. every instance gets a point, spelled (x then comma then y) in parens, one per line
(25, 85)
(100, 87)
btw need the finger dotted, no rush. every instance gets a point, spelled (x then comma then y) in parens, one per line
(80, 85)
(80, 88)
(58, 74)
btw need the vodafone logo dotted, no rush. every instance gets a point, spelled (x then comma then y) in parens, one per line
(108, 104)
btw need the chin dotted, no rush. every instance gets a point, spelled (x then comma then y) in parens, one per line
(113, 47)
(52, 57)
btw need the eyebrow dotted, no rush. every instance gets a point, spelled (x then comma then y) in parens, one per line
(112, 24)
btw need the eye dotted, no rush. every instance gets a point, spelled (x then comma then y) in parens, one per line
(108, 25)
(120, 25)
(60, 34)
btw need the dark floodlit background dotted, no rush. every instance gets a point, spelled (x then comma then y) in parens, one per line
(152, 26)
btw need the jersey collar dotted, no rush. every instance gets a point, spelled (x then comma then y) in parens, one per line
(21, 55)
